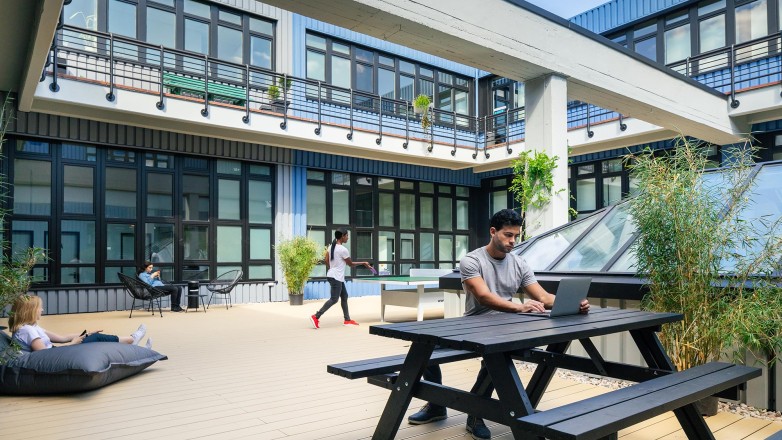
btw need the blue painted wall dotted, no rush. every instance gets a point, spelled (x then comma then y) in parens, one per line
(299, 202)
(620, 12)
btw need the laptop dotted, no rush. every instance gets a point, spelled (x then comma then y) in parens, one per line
(570, 293)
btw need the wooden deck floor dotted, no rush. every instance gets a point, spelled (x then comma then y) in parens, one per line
(258, 371)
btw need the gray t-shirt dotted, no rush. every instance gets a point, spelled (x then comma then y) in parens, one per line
(504, 277)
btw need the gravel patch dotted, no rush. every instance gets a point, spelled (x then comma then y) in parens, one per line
(614, 384)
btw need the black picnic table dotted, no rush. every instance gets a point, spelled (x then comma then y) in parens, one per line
(501, 338)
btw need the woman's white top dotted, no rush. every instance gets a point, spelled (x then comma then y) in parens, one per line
(337, 264)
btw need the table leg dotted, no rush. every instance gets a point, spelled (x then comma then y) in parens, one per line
(654, 354)
(513, 398)
(543, 374)
(402, 393)
(420, 290)
(382, 303)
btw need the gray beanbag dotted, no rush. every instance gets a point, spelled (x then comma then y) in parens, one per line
(72, 369)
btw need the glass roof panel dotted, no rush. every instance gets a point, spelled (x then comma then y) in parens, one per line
(718, 183)
(597, 248)
(625, 263)
(762, 211)
(543, 251)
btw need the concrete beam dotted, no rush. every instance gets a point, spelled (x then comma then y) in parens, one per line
(520, 41)
(40, 35)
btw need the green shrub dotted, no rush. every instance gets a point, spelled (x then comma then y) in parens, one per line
(297, 257)
(703, 260)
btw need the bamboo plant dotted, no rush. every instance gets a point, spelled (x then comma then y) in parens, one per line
(702, 259)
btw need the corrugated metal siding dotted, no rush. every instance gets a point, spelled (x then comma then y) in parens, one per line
(65, 128)
(322, 289)
(388, 169)
(619, 152)
(299, 200)
(80, 130)
(620, 12)
(109, 299)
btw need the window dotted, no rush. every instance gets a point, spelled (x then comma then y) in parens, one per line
(751, 21)
(32, 187)
(346, 66)
(384, 214)
(645, 39)
(161, 27)
(195, 198)
(122, 18)
(100, 233)
(677, 43)
(120, 193)
(712, 33)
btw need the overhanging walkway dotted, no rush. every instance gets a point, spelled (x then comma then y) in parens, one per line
(520, 41)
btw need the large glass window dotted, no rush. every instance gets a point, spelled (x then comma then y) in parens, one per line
(260, 201)
(159, 242)
(196, 36)
(228, 199)
(229, 44)
(121, 242)
(26, 234)
(160, 195)
(77, 250)
(229, 244)
(196, 242)
(122, 18)
(32, 187)
(751, 21)
(316, 205)
(120, 193)
(364, 202)
(161, 27)
(349, 66)
(195, 197)
(97, 234)
(677, 43)
(261, 52)
(78, 190)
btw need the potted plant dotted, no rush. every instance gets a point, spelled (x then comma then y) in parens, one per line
(701, 259)
(281, 101)
(421, 106)
(533, 184)
(297, 257)
(274, 97)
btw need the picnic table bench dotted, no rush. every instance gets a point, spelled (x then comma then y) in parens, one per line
(604, 415)
(500, 339)
(178, 83)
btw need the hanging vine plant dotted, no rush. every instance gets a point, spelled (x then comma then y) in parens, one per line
(533, 182)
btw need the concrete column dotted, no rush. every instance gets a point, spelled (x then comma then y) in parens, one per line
(546, 130)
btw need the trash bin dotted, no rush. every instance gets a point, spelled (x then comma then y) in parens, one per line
(192, 294)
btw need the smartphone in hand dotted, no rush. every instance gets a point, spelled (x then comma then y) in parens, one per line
(84, 333)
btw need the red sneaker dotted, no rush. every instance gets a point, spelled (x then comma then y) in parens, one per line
(350, 322)
(314, 322)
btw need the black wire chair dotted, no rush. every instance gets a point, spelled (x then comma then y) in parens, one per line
(223, 285)
(143, 292)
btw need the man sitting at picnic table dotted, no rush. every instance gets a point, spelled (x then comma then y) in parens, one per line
(491, 276)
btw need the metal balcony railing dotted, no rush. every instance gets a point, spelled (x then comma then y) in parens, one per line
(122, 62)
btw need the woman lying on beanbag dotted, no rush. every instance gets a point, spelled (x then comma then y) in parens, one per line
(23, 323)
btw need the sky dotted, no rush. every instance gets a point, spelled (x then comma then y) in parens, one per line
(567, 8)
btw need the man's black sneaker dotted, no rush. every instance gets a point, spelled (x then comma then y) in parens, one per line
(429, 413)
(477, 428)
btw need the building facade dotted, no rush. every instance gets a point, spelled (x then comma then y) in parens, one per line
(197, 134)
